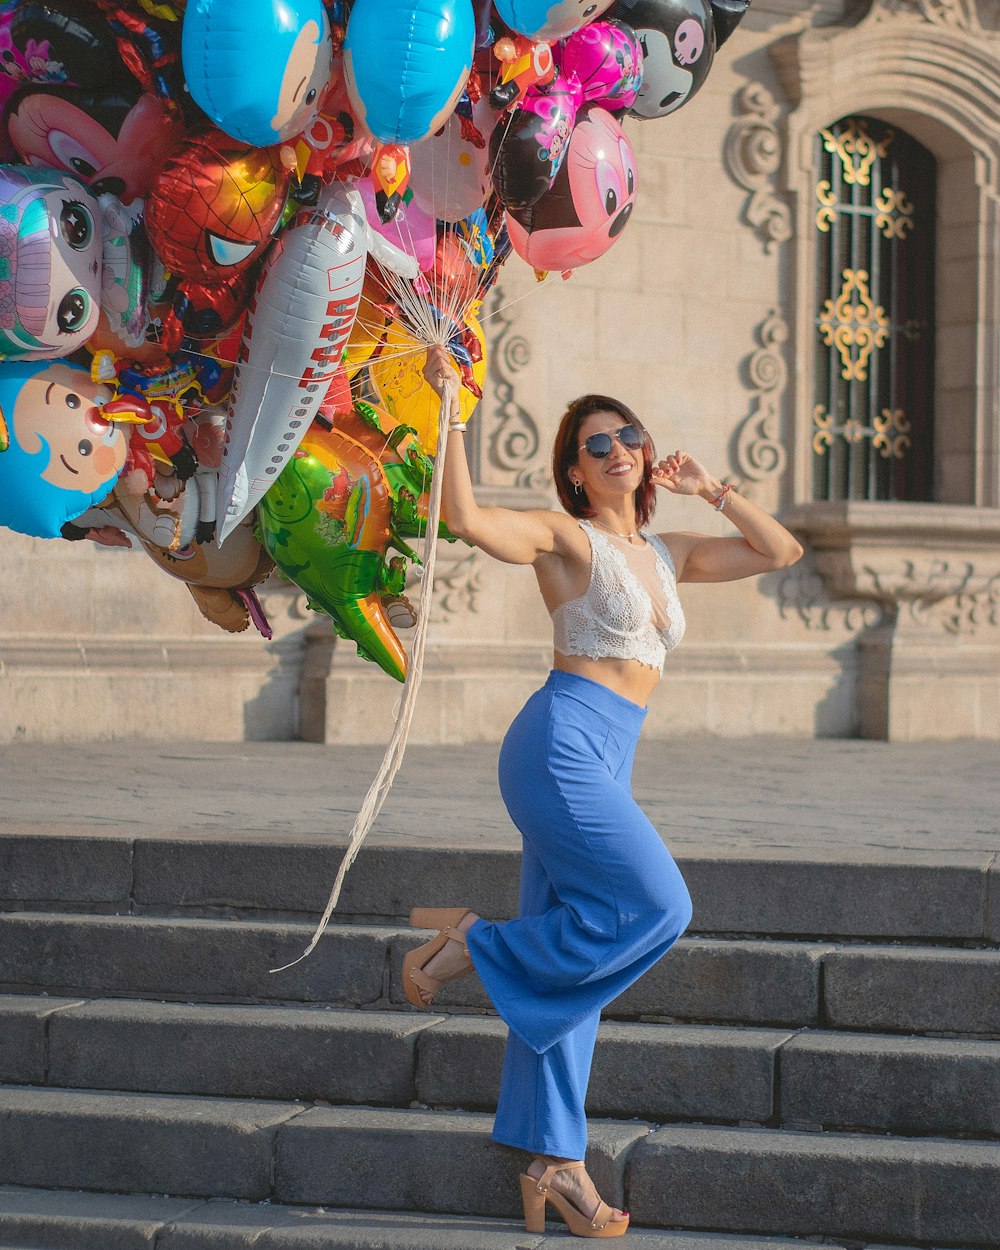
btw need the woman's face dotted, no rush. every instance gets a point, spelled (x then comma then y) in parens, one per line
(618, 473)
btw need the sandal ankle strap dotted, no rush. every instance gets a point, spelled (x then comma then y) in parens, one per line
(545, 1180)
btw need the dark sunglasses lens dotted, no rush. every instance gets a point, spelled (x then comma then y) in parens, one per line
(598, 445)
(629, 436)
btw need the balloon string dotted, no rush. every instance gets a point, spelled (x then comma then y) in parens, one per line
(393, 758)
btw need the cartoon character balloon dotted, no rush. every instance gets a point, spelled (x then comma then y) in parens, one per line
(50, 263)
(82, 111)
(677, 38)
(727, 14)
(605, 58)
(258, 68)
(406, 63)
(527, 147)
(214, 207)
(59, 454)
(550, 19)
(589, 204)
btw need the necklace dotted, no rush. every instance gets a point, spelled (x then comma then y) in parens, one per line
(628, 537)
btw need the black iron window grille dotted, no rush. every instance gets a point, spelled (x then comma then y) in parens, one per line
(873, 418)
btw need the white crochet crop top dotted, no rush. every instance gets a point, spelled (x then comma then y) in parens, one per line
(630, 609)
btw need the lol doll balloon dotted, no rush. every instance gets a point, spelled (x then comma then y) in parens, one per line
(589, 204)
(59, 454)
(258, 68)
(50, 263)
(677, 38)
(549, 19)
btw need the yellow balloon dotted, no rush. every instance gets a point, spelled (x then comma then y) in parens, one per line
(397, 375)
(366, 334)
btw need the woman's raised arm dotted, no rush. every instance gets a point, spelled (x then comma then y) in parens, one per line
(504, 533)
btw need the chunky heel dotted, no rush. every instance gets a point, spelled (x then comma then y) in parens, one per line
(536, 1193)
(534, 1205)
(418, 985)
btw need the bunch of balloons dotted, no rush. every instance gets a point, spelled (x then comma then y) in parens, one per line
(229, 229)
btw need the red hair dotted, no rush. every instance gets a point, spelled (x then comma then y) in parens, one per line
(566, 453)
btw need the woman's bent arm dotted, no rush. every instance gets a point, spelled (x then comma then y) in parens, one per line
(765, 544)
(504, 533)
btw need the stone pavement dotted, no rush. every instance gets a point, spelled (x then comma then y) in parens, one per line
(823, 799)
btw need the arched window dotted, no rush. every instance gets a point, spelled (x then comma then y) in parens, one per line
(873, 399)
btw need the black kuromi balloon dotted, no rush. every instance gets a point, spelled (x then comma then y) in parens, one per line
(728, 14)
(678, 42)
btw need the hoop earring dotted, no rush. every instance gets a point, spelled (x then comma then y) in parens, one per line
(578, 489)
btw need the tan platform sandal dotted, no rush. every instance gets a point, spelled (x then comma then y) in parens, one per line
(415, 979)
(537, 1191)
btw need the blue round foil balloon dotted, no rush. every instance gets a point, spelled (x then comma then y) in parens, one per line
(59, 455)
(258, 68)
(549, 19)
(406, 63)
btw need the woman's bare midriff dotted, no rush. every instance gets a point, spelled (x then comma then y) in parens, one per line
(632, 680)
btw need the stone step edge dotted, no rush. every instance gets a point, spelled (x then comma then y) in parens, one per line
(296, 1109)
(142, 872)
(77, 1220)
(445, 1018)
(395, 931)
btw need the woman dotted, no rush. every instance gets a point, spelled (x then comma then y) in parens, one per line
(601, 897)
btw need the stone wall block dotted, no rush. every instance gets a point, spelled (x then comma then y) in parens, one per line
(35, 868)
(844, 899)
(892, 1084)
(23, 1047)
(817, 1184)
(122, 1142)
(913, 991)
(190, 958)
(238, 1052)
(426, 1161)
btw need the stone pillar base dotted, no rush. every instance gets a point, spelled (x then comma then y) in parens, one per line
(915, 686)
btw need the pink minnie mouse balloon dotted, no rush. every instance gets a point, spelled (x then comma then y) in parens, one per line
(590, 201)
(606, 60)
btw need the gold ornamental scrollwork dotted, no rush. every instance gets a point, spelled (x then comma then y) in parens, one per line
(854, 325)
(856, 150)
(895, 213)
(827, 211)
(890, 433)
(824, 429)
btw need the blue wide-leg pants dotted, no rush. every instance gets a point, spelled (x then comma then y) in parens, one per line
(601, 901)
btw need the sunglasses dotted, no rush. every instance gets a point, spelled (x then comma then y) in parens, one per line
(599, 445)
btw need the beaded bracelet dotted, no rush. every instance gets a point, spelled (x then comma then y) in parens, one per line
(719, 502)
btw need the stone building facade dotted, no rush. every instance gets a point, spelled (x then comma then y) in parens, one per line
(759, 311)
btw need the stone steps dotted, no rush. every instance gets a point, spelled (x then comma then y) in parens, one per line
(759, 1181)
(59, 1220)
(900, 895)
(657, 1072)
(819, 1059)
(777, 983)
